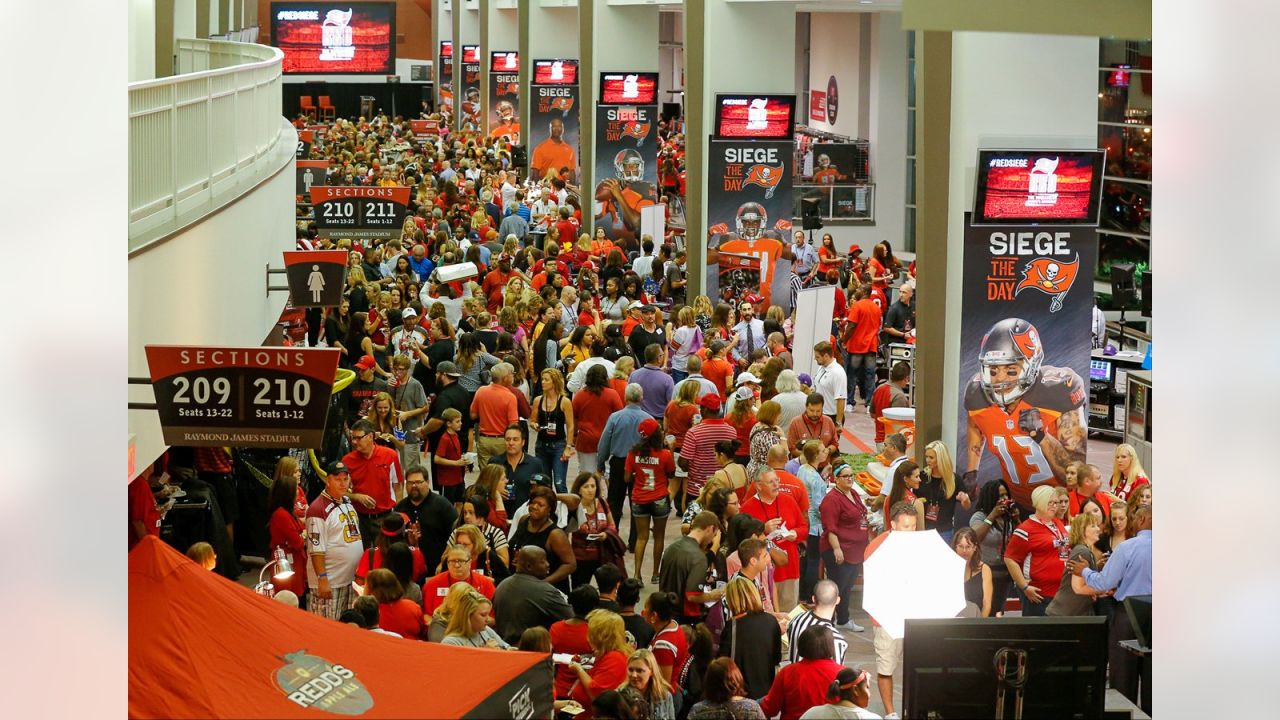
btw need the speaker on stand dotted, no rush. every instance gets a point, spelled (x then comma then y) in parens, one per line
(1124, 292)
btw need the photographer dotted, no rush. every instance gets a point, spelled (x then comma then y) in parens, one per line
(994, 521)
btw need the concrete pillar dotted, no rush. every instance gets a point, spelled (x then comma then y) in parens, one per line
(441, 30)
(710, 69)
(142, 40)
(499, 32)
(548, 30)
(613, 38)
(466, 31)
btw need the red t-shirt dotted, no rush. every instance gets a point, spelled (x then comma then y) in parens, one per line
(608, 673)
(142, 507)
(590, 413)
(435, 589)
(880, 401)
(679, 418)
(718, 371)
(1042, 552)
(286, 531)
(402, 616)
(572, 639)
(876, 268)
(450, 448)
(798, 687)
(743, 427)
(374, 476)
(1076, 498)
(568, 231)
(865, 337)
(671, 649)
(419, 563)
(783, 506)
(651, 474)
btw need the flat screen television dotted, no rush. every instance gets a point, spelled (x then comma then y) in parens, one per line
(628, 88)
(555, 72)
(1023, 187)
(504, 61)
(328, 38)
(760, 117)
(1119, 76)
(470, 53)
(951, 667)
(446, 49)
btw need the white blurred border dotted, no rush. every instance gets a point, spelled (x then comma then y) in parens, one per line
(63, 213)
(1216, 356)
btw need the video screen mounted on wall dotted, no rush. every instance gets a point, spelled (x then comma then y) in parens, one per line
(758, 117)
(628, 88)
(1059, 187)
(470, 53)
(507, 61)
(446, 49)
(555, 72)
(328, 38)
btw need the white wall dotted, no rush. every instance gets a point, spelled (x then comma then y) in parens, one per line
(206, 287)
(142, 40)
(1008, 90)
(553, 33)
(834, 47)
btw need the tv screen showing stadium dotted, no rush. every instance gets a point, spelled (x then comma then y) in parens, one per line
(770, 117)
(470, 53)
(555, 72)
(1038, 186)
(446, 49)
(335, 38)
(628, 88)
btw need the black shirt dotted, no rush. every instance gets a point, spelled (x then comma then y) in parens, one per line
(758, 652)
(454, 397)
(939, 510)
(437, 352)
(360, 397)
(641, 632)
(518, 477)
(642, 338)
(435, 517)
(898, 317)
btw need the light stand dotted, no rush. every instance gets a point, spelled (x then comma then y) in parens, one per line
(284, 571)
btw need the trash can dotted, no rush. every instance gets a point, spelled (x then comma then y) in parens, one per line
(901, 420)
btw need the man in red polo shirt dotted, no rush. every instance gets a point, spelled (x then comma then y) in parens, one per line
(376, 476)
(784, 524)
(494, 409)
(698, 451)
(1087, 486)
(861, 341)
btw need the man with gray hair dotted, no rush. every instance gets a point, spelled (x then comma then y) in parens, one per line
(621, 433)
(505, 379)
(493, 409)
(513, 224)
(694, 367)
(826, 595)
(894, 451)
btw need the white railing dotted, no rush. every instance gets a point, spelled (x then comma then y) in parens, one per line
(202, 137)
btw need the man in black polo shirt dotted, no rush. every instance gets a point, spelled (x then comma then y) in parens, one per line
(449, 395)
(898, 320)
(431, 516)
(520, 466)
(646, 333)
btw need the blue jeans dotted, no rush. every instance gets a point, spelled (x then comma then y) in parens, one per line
(550, 454)
(678, 375)
(861, 369)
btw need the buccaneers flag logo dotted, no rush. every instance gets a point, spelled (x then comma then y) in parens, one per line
(1028, 341)
(563, 104)
(1050, 277)
(636, 129)
(766, 176)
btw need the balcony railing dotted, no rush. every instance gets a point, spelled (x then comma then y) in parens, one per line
(851, 202)
(201, 138)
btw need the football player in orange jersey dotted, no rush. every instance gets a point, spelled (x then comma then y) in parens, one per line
(1029, 415)
(752, 236)
(826, 174)
(620, 198)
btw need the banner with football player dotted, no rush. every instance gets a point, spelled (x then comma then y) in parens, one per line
(626, 170)
(749, 219)
(469, 91)
(554, 130)
(1025, 340)
(444, 84)
(504, 96)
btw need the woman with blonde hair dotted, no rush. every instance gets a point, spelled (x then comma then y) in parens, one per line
(751, 636)
(1074, 597)
(1127, 474)
(645, 689)
(702, 312)
(469, 624)
(607, 635)
(622, 370)
(686, 339)
(440, 618)
(938, 490)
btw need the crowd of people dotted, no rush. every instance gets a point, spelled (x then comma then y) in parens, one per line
(450, 514)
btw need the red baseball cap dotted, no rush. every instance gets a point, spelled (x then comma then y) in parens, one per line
(648, 426)
(710, 401)
(366, 363)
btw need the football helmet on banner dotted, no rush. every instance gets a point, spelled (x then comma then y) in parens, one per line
(1012, 341)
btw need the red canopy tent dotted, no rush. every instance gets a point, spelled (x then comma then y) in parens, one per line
(201, 646)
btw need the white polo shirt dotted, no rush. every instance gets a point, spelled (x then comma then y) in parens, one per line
(830, 380)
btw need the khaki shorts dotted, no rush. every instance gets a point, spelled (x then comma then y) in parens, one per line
(888, 652)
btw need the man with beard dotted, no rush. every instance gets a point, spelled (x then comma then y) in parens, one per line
(554, 152)
(431, 516)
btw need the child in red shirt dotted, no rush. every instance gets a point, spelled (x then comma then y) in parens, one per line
(447, 460)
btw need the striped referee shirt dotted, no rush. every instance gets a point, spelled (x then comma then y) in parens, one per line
(802, 623)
